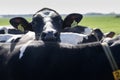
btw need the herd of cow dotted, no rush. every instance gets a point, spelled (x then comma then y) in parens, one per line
(49, 47)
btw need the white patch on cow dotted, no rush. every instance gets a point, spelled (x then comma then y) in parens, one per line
(23, 48)
(46, 13)
(47, 19)
(5, 37)
(13, 37)
(87, 31)
(66, 37)
(49, 27)
(86, 37)
(72, 38)
(106, 39)
(30, 35)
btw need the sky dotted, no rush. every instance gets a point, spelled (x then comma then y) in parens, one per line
(61, 6)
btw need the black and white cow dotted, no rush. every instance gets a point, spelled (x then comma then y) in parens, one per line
(46, 23)
(9, 33)
(56, 61)
(10, 30)
(8, 38)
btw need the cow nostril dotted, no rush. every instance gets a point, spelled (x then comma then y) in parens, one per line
(43, 35)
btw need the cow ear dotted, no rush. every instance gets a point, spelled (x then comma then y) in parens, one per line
(72, 20)
(21, 24)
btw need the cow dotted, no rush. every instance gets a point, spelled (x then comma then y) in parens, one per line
(51, 60)
(46, 23)
(10, 30)
(40, 20)
(9, 34)
(8, 38)
(110, 41)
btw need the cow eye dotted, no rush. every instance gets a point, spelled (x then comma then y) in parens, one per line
(57, 19)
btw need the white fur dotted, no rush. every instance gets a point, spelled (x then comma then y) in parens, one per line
(4, 37)
(87, 31)
(106, 39)
(66, 37)
(13, 37)
(8, 37)
(23, 48)
(72, 38)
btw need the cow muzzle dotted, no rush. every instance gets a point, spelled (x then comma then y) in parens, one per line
(52, 36)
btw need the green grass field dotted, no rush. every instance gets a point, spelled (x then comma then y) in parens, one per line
(105, 23)
(4, 21)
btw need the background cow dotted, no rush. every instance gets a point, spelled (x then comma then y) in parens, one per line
(10, 30)
(7, 34)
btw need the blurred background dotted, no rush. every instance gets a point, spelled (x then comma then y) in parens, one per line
(103, 14)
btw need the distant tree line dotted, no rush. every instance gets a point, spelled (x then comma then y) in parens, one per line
(63, 15)
(21, 15)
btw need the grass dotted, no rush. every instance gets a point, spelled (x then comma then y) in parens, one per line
(105, 23)
(4, 21)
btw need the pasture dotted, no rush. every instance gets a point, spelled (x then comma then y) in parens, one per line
(105, 22)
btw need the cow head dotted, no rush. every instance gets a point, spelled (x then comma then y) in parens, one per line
(46, 23)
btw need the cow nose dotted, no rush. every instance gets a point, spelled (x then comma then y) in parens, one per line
(50, 36)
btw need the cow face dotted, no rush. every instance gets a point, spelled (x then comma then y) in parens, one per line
(46, 23)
